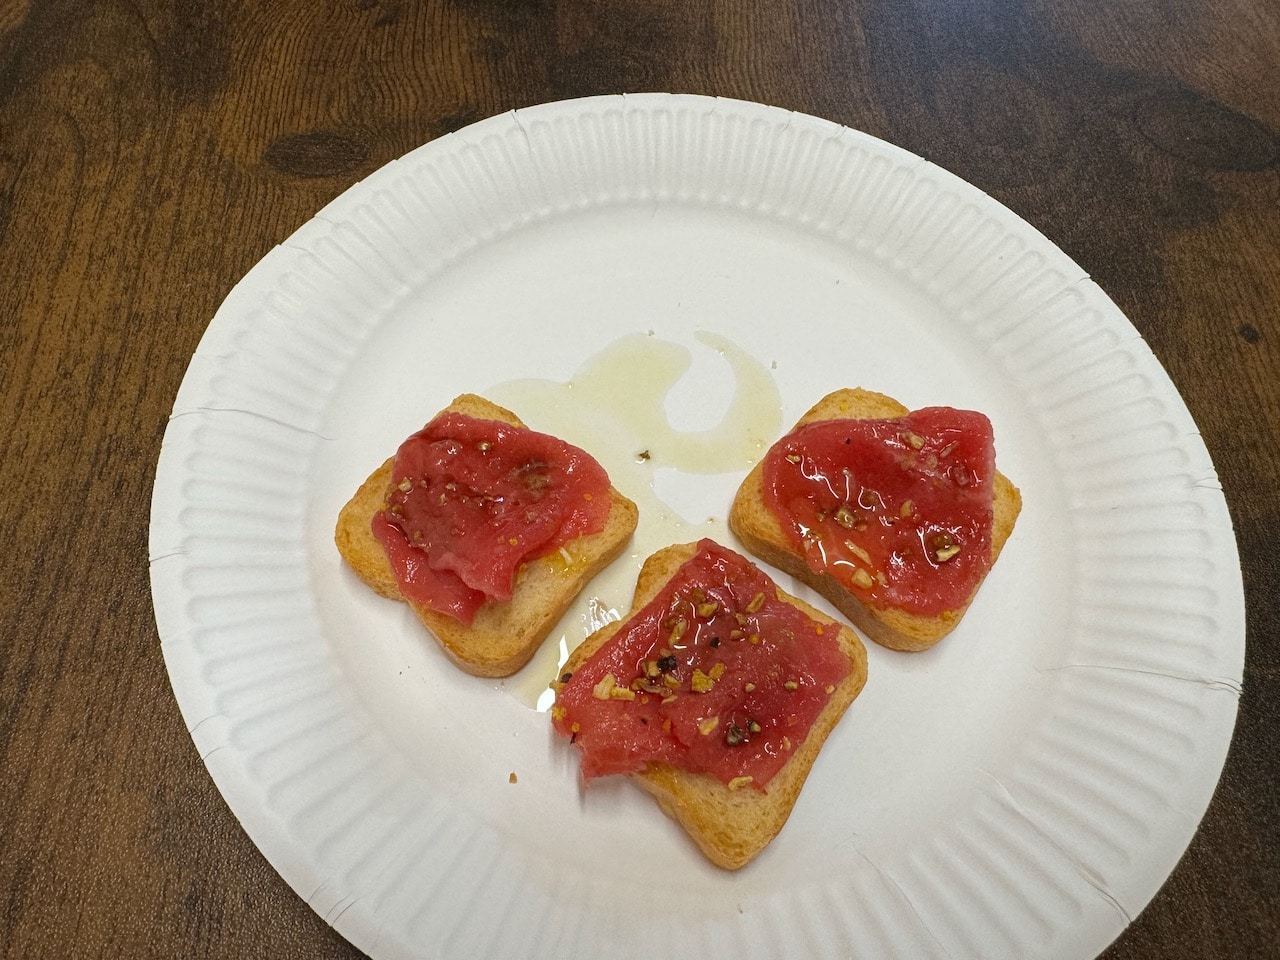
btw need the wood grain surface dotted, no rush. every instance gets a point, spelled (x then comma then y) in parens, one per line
(151, 152)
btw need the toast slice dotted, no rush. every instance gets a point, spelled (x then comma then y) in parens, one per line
(762, 534)
(502, 636)
(730, 826)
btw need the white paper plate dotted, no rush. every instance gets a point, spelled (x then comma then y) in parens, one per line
(1020, 791)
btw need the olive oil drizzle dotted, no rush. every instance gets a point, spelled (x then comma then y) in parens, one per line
(615, 408)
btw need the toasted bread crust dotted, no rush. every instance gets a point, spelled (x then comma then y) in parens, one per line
(732, 826)
(762, 535)
(503, 636)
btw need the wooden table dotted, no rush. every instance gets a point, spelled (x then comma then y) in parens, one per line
(151, 153)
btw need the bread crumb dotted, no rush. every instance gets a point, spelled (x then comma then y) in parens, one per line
(512, 778)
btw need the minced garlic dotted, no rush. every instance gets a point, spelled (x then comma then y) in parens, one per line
(602, 689)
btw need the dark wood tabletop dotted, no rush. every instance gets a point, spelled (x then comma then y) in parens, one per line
(151, 152)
